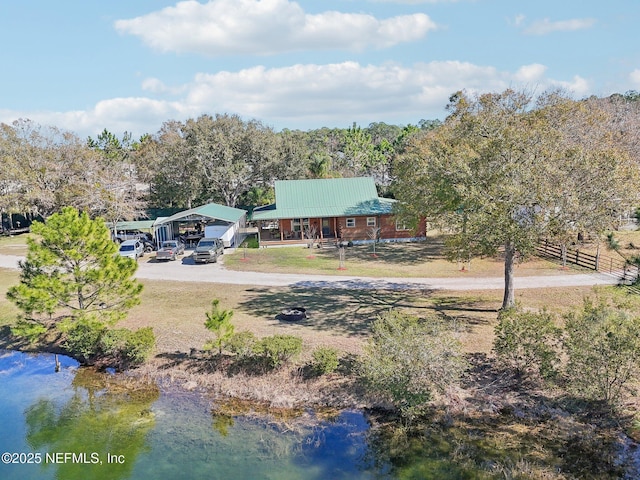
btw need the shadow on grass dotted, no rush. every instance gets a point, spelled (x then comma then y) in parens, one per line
(410, 253)
(345, 311)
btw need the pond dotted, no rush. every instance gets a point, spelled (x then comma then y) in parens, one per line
(78, 424)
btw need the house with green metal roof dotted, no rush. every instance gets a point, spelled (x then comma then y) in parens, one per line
(348, 209)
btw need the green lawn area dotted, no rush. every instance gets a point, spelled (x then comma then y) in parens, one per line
(421, 259)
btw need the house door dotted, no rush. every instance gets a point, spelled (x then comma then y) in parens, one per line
(326, 227)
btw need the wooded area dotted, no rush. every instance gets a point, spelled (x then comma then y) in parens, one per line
(222, 158)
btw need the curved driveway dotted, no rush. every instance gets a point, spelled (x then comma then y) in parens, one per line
(187, 271)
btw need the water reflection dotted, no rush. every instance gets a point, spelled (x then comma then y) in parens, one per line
(160, 434)
(105, 423)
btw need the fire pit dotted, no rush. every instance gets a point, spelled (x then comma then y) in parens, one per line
(293, 314)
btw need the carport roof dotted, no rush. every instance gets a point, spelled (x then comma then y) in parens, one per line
(210, 210)
(133, 225)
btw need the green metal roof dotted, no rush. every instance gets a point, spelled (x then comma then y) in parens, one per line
(133, 225)
(321, 198)
(210, 210)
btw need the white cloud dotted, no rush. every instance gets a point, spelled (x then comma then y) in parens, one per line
(262, 27)
(305, 96)
(578, 86)
(530, 73)
(414, 2)
(546, 26)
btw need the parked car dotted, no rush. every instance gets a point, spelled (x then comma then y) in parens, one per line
(208, 250)
(170, 249)
(132, 249)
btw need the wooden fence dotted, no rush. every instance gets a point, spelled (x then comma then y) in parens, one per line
(616, 267)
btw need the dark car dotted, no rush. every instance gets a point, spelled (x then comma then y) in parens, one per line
(208, 250)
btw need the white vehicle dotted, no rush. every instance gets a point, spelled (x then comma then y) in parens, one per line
(132, 249)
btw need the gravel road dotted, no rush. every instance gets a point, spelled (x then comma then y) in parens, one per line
(185, 270)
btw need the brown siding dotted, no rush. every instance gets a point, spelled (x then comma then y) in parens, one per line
(360, 231)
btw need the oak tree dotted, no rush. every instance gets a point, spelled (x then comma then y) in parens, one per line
(506, 170)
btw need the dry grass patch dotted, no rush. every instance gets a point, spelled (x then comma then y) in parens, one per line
(8, 310)
(13, 245)
(337, 317)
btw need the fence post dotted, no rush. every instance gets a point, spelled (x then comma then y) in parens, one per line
(611, 266)
(577, 257)
(598, 258)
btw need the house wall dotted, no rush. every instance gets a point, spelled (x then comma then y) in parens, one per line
(360, 230)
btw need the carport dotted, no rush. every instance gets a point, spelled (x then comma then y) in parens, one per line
(210, 220)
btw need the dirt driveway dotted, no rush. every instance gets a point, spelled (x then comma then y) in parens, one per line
(186, 270)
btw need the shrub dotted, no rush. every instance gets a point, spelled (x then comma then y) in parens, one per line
(114, 341)
(139, 345)
(603, 349)
(278, 349)
(325, 360)
(83, 339)
(241, 343)
(527, 341)
(128, 347)
(407, 358)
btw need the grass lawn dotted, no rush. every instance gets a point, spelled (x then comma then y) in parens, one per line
(8, 310)
(422, 259)
(339, 318)
(14, 245)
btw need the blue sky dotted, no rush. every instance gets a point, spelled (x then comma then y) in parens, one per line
(86, 65)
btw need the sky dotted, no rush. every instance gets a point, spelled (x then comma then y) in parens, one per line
(121, 65)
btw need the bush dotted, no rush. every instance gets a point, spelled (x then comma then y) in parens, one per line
(407, 358)
(603, 348)
(128, 347)
(114, 341)
(241, 343)
(278, 349)
(140, 345)
(83, 339)
(527, 341)
(325, 360)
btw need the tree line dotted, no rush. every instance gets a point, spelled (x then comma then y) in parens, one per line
(213, 158)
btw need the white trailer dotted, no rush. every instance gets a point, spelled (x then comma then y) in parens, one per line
(227, 233)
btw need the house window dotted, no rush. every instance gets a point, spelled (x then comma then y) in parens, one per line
(401, 226)
(371, 221)
(351, 222)
(295, 224)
